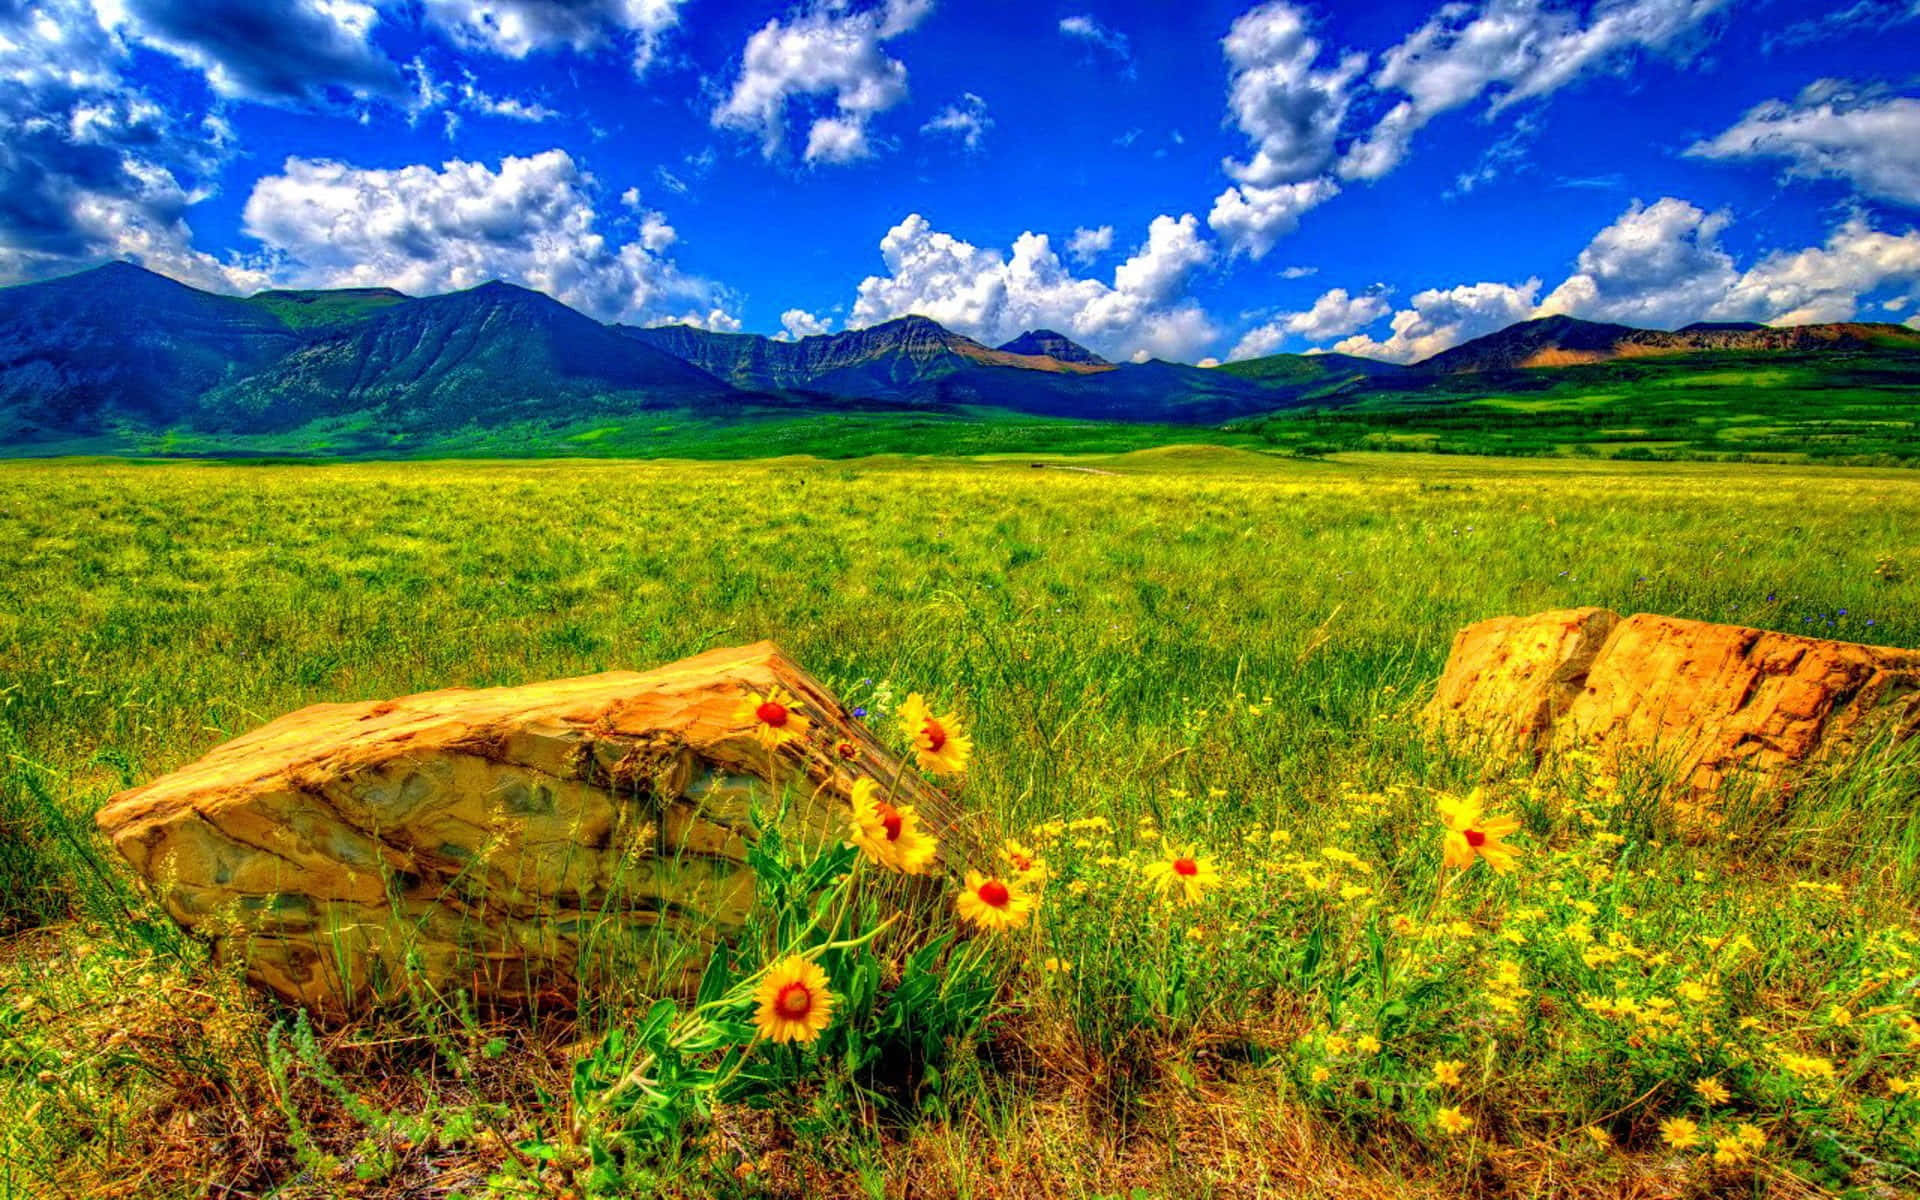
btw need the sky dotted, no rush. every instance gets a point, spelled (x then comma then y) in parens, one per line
(1195, 181)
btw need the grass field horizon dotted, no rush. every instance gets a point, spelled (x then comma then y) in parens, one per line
(1190, 649)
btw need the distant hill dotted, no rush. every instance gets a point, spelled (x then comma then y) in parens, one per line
(121, 357)
(493, 353)
(319, 309)
(1045, 343)
(1561, 341)
(897, 359)
(86, 353)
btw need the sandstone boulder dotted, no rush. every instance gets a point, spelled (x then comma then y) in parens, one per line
(1708, 703)
(510, 841)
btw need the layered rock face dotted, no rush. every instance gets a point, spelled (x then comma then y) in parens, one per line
(514, 842)
(1708, 703)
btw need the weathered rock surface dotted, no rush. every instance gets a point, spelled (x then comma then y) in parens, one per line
(510, 841)
(1707, 702)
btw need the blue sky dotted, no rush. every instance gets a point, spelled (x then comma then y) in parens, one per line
(1191, 181)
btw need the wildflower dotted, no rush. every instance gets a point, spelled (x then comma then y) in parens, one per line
(1452, 1121)
(1336, 1044)
(774, 717)
(1058, 966)
(846, 750)
(994, 904)
(1679, 1132)
(1366, 1043)
(1730, 1151)
(1027, 866)
(888, 835)
(1752, 1136)
(1321, 1074)
(1470, 834)
(1598, 1136)
(794, 1001)
(939, 743)
(1840, 1016)
(1807, 1066)
(1184, 876)
(1447, 1071)
(1896, 1086)
(1711, 1090)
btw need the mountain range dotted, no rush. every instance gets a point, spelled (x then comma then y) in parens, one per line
(122, 351)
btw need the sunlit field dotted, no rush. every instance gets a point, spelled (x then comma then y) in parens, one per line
(1188, 655)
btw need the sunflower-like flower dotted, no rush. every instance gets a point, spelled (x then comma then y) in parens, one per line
(793, 1002)
(1183, 875)
(889, 835)
(1471, 834)
(994, 904)
(774, 717)
(939, 743)
(1029, 868)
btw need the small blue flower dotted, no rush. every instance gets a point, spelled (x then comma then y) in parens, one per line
(860, 712)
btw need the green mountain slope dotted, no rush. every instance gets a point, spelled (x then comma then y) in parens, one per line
(325, 308)
(118, 345)
(494, 353)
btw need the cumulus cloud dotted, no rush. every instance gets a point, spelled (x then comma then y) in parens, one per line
(1084, 28)
(1516, 49)
(1335, 314)
(1252, 219)
(1441, 318)
(1834, 130)
(1658, 264)
(1088, 244)
(422, 229)
(517, 28)
(824, 51)
(995, 296)
(295, 52)
(1825, 282)
(92, 167)
(1291, 105)
(797, 323)
(965, 119)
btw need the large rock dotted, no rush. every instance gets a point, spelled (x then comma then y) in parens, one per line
(1708, 704)
(510, 841)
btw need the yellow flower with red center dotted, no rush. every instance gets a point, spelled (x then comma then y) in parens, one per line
(793, 1001)
(774, 717)
(994, 904)
(1471, 834)
(1452, 1121)
(1029, 868)
(1183, 875)
(889, 835)
(939, 743)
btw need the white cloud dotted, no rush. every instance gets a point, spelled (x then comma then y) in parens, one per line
(995, 296)
(517, 28)
(1298, 272)
(1335, 314)
(1658, 265)
(1252, 219)
(530, 221)
(1522, 48)
(797, 323)
(965, 119)
(1083, 27)
(1832, 129)
(825, 51)
(714, 320)
(1088, 244)
(295, 52)
(508, 107)
(1291, 107)
(1442, 318)
(1826, 282)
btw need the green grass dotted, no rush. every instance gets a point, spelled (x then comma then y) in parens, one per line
(1187, 645)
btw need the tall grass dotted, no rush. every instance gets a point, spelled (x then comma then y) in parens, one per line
(1201, 648)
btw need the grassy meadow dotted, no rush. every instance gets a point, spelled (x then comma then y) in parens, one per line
(1184, 651)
